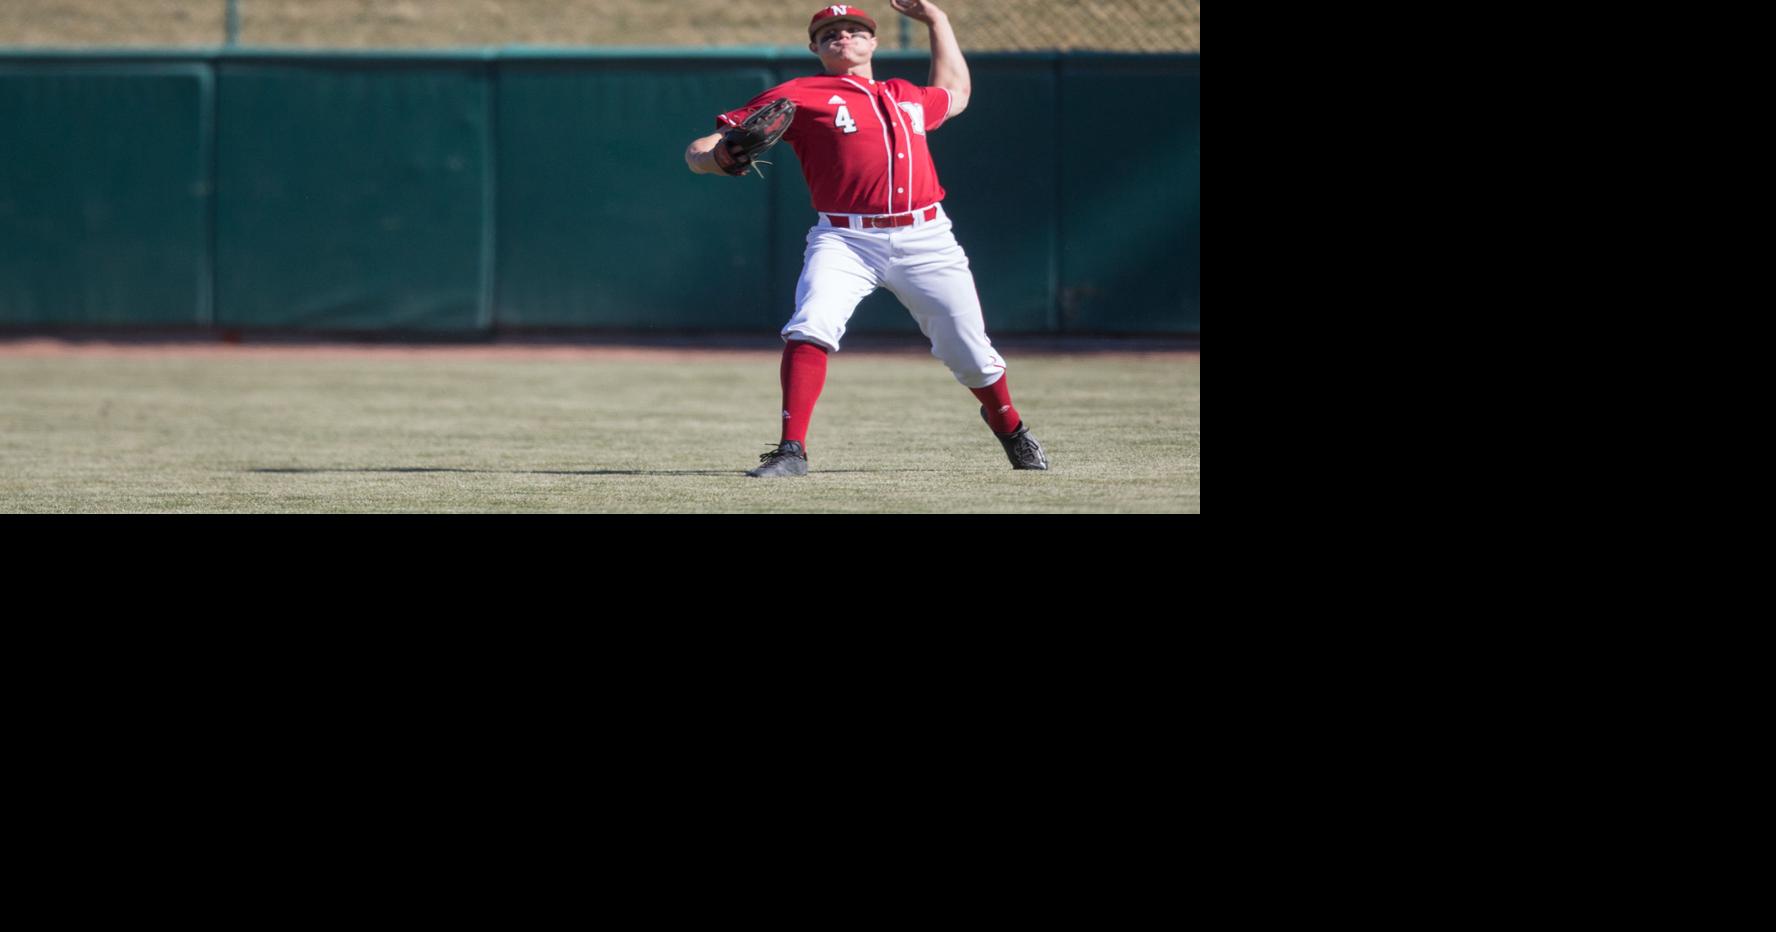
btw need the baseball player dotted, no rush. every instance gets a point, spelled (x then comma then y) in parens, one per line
(881, 223)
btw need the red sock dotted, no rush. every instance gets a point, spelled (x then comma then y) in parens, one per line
(1001, 416)
(803, 373)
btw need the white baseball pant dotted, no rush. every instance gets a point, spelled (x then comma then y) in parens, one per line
(922, 264)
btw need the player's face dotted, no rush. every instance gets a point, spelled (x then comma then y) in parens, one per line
(850, 43)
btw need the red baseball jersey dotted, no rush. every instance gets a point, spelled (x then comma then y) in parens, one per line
(861, 142)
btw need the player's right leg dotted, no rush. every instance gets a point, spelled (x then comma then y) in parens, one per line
(838, 271)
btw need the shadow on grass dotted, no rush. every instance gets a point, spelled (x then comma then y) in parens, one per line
(566, 472)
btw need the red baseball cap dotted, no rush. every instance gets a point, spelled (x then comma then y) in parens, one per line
(839, 12)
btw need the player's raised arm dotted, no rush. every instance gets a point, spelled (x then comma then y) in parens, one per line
(948, 69)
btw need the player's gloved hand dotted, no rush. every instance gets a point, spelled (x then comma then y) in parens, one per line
(742, 145)
(730, 158)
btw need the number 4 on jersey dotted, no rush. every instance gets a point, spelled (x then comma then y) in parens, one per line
(844, 120)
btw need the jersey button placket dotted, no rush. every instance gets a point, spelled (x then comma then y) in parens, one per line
(885, 111)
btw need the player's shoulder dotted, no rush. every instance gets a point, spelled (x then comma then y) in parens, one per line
(805, 86)
(902, 87)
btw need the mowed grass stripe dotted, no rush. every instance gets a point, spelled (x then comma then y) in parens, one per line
(893, 433)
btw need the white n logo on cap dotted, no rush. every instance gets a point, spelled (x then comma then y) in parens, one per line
(840, 10)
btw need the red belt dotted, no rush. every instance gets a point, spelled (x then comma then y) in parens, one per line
(891, 220)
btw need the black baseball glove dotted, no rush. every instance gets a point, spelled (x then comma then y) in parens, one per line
(743, 144)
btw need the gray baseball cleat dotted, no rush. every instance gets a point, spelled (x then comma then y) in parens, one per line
(789, 459)
(1021, 448)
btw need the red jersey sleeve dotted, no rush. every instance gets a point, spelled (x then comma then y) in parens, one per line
(734, 118)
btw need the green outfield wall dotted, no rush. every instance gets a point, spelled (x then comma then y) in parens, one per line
(510, 190)
(106, 185)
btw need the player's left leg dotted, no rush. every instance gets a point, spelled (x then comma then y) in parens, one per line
(933, 280)
(931, 277)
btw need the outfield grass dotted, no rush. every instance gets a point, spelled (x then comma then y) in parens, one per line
(435, 434)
